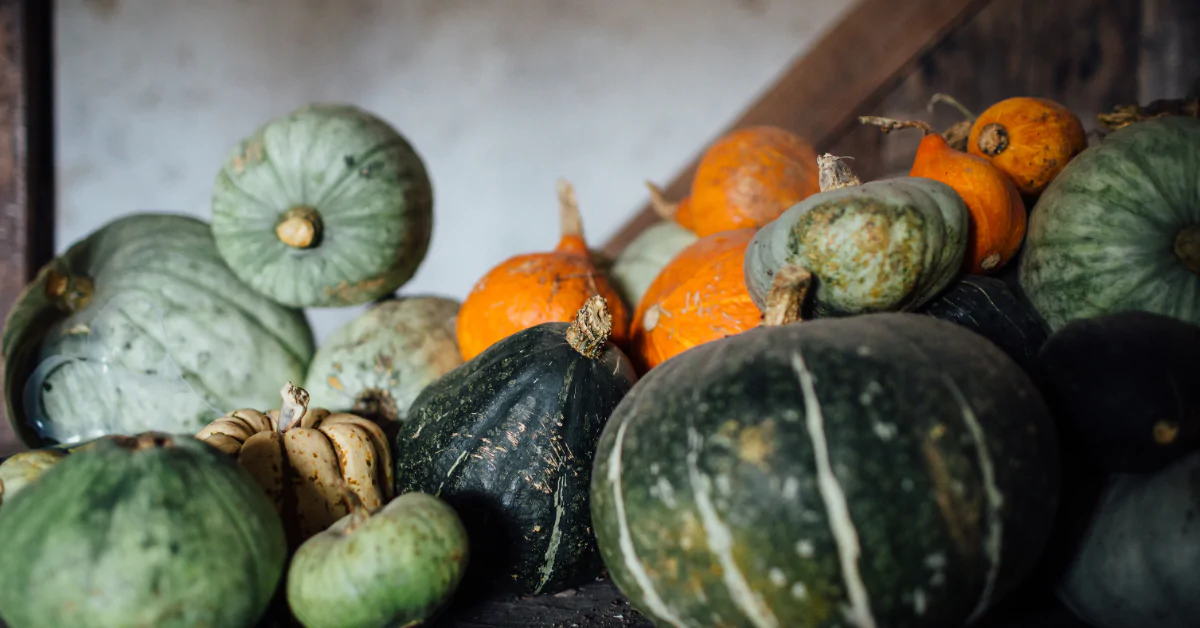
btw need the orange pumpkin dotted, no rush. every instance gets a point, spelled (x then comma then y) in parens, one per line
(699, 297)
(535, 288)
(748, 178)
(998, 216)
(1030, 139)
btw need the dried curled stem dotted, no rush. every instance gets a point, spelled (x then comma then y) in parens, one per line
(887, 125)
(833, 174)
(664, 208)
(1124, 115)
(568, 209)
(295, 404)
(591, 328)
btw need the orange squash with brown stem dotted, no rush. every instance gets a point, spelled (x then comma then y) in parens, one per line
(535, 288)
(700, 296)
(747, 178)
(1030, 139)
(998, 216)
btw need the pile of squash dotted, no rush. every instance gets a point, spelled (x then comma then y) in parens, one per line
(800, 399)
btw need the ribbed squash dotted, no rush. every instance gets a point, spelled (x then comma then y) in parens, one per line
(508, 440)
(140, 326)
(326, 206)
(535, 288)
(876, 470)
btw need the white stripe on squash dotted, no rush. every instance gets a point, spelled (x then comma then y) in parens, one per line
(720, 542)
(845, 536)
(555, 535)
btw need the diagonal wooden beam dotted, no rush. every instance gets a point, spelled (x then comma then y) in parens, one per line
(855, 63)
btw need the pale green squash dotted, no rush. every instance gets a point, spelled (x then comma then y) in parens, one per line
(326, 206)
(376, 364)
(141, 326)
(641, 261)
(888, 245)
(1119, 228)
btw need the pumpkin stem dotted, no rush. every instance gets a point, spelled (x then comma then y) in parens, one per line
(1187, 247)
(953, 102)
(295, 404)
(833, 174)
(1125, 115)
(299, 227)
(789, 289)
(145, 440)
(359, 513)
(568, 208)
(70, 293)
(888, 125)
(993, 139)
(664, 208)
(591, 328)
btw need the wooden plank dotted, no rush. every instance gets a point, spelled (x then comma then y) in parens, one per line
(26, 152)
(1170, 64)
(854, 64)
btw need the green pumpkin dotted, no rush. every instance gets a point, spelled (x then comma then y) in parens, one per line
(1119, 228)
(1134, 566)
(876, 470)
(154, 530)
(326, 206)
(397, 567)
(376, 364)
(641, 261)
(507, 439)
(879, 246)
(141, 326)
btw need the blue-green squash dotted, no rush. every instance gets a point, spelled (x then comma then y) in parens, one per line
(141, 326)
(153, 530)
(877, 470)
(326, 206)
(398, 566)
(880, 246)
(645, 256)
(1119, 228)
(507, 439)
(377, 363)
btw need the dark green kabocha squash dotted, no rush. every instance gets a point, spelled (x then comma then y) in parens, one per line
(1125, 388)
(987, 306)
(326, 206)
(148, 530)
(883, 470)
(508, 440)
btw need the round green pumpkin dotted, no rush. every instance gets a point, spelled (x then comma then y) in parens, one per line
(877, 470)
(1119, 228)
(397, 567)
(376, 364)
(326, 206)
(153, 530)
(141, 326)
(888, 245)
(641, 261)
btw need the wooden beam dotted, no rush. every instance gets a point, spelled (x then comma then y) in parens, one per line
(26, 152)
(855, 63)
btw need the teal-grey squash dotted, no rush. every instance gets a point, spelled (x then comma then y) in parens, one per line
(398, 566)
(645, 256)
(376, 364)
(880, 246)
(1135, 563)
(1119, 228)
(878, 470)
(153, 530)
(141, 326)
(507, 439)
(326, 206)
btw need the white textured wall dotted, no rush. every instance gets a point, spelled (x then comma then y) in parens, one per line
(500, 97)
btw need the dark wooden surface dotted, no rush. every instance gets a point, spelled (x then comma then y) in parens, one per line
(26, 152)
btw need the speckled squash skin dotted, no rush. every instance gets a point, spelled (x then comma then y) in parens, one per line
(887, 245)
(508, 439)
(1119, 228)
(986, 306)
(157, 530)
(398, 567)
(364, 199)
(376, 364)
(141, 326)
(637, 266)
(879, 470)
(1132, 568)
